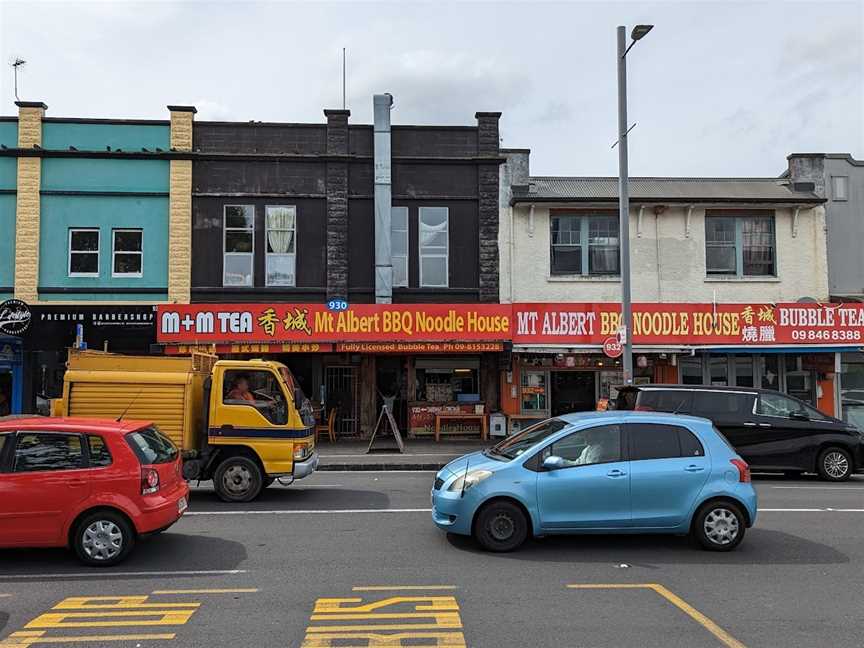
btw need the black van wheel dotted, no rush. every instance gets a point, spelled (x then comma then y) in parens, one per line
(500, 526)
(238, 479)
(835, 464)
(719, 526)
(103, 538)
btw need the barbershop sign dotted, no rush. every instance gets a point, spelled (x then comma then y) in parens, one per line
(577, 324)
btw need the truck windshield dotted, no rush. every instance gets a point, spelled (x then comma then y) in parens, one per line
(151, 446)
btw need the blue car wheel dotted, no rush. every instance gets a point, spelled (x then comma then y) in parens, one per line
(500, 526)
(719, 526)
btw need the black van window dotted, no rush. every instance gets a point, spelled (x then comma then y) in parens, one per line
(664, 400)
(653, 441)
(719, 403)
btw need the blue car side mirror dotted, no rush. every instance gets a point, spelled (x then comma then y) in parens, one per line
(553, 462)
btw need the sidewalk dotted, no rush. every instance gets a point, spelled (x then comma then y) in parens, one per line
(420, 454)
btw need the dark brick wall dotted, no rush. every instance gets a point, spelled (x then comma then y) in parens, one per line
(259, 138)
(361, 250)
(360, 140)
(416, 180)
(488, 222)
(412, 141)
(245, 176)
(488, 138)
(337, 205)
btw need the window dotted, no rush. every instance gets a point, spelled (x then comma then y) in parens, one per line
(399, 245)
(653, 441)
(46, 451)
(691, 370)
(151, 446)
(594, 445)
(690, 445)
(513, 446)
(744, 371)
(99, 454)
(258, 389)
(281, 246)
(659, 400)
(127, 252)
(839, 188)
(434, 247)
(718, 370)
(586, 245)
(533, 391)
(239, 221)
(740, 246)
(711, 403)
(785, 407)
(83, 252)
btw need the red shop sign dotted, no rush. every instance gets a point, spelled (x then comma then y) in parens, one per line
(612, 347)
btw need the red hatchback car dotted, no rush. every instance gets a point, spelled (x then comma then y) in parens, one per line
(89, 484)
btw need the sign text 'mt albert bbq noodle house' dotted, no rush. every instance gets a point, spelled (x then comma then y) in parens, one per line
(455, 357)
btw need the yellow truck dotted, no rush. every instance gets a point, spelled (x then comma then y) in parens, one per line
(241, 423)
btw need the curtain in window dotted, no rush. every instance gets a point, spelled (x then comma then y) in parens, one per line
(280, 230)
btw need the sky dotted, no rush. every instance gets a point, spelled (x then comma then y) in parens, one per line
(716, 89)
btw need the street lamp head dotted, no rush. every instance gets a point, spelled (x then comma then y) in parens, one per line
(639, 31)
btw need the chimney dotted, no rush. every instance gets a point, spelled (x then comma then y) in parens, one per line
(807, 172)
(382, 104)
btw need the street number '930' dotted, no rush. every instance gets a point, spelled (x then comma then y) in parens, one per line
(337, 305)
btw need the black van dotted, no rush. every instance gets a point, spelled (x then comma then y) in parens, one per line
(770, 430)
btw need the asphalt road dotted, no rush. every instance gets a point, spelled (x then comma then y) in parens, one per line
(266, 574)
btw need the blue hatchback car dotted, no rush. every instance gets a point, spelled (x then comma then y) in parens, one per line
(600, 472)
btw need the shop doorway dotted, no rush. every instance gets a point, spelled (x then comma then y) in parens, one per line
(573, 391)
(342, 392)
(391, 382)
(5, 393)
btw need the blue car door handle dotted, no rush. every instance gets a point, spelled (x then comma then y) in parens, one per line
(694, 468)
(616, 473)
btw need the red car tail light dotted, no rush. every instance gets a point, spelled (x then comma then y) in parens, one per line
(743, 470)
(149, 481)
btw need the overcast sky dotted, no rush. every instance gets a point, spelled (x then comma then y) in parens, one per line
(718, 88)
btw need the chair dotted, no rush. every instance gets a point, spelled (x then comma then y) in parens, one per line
(329, 429)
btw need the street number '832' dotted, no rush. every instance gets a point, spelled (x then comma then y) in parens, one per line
(337, 305)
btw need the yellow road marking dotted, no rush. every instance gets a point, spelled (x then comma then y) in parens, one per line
(58, 620)
(23, 639)
(388, 640)
(238, 590)
(120, 603)
(724, 637)
(397, 588)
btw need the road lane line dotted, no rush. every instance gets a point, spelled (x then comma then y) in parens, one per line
(236, 590)
(110, 574)
(309, 511)
(397, 588)
(724, 637)
(812, 510)
(23, 639)
(841, 488)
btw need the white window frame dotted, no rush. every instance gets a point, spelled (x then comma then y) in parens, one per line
(114, 252)
(835, 195)
(251, 255)
(70, 251)
(445, 256)
(267, 254)
(402, 259)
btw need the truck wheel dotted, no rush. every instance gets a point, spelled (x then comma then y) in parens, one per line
(238, 479)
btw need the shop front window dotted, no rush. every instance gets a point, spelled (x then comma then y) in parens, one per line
(534, 392)
(769, 370)
(744, 371)
(448, 381)
(799, 381)
(691, 370)
(852, 392)
(718, 368)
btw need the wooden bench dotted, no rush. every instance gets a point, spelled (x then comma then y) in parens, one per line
(484, 431)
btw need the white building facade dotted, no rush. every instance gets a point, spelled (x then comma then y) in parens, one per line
(739, 246)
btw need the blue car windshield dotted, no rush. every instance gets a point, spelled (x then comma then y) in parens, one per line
(514, 446)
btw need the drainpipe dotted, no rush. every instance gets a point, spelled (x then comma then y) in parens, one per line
(382, 104)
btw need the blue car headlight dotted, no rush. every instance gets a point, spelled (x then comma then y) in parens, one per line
(469, 480)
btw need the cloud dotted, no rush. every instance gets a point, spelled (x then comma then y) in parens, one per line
(211, 110)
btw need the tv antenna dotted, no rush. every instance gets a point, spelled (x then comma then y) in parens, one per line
(17, 62)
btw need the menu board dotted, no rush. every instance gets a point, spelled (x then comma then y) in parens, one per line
(421, 417)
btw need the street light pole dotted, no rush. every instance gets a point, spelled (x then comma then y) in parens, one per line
(624, 195)
(624, 207)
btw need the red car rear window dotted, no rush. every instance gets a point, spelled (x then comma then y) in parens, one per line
(151, 446)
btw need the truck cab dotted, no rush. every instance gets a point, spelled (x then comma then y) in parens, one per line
(256, 412)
